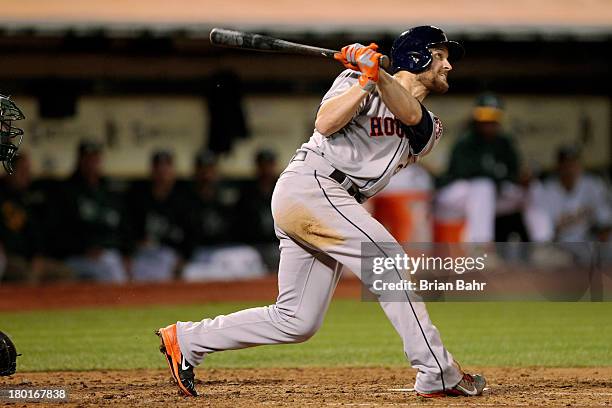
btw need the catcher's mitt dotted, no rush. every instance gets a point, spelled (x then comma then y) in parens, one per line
(8, 356)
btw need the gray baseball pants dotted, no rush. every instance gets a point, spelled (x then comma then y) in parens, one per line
(320, 228)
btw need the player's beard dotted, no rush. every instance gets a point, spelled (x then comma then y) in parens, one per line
(435, 82)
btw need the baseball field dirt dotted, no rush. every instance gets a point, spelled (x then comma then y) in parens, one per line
(106, 353)
(321, 387)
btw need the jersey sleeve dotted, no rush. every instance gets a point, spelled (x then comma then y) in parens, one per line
(342, 83)
(424, 136)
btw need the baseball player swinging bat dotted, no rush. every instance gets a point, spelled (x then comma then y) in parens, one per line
(370, 124)
(256, 42)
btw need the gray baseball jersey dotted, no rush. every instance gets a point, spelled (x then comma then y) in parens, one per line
(374, 145)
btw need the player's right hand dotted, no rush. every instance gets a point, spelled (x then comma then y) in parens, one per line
(368, 62)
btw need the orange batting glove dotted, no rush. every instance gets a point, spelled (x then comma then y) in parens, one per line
(368, 63)
(347, 56)
(361, 58)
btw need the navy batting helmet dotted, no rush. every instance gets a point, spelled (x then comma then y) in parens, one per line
(410, 51)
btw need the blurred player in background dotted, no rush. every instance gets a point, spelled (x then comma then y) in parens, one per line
(210, 215)
(158, 219)
(20, 220)
(579, 204)
(217, 253)
(482, 180)
(254, 224)
(87, 220)
(21, 209)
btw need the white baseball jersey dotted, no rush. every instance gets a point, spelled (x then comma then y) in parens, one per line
(587, 205)
(374, 145)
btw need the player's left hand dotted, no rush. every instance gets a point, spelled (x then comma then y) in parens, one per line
(358, 57)
(347, 56)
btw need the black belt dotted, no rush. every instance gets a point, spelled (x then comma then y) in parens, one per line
(336, 175)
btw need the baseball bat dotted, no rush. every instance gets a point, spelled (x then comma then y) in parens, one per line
(249, 41)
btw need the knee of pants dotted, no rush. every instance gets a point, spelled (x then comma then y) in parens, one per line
(303, 330)
(301, 326)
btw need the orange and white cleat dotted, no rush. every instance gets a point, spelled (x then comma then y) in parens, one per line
(182, 371)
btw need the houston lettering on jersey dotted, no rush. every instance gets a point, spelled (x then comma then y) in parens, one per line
(386, 126)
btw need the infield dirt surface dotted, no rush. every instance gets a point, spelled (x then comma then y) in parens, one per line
(321, 387)
(273, 387)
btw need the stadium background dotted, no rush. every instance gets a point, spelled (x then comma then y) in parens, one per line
(141, 77)
(106, 62)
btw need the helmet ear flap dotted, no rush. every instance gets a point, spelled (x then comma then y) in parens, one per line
(420, 61)
(413, 61)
